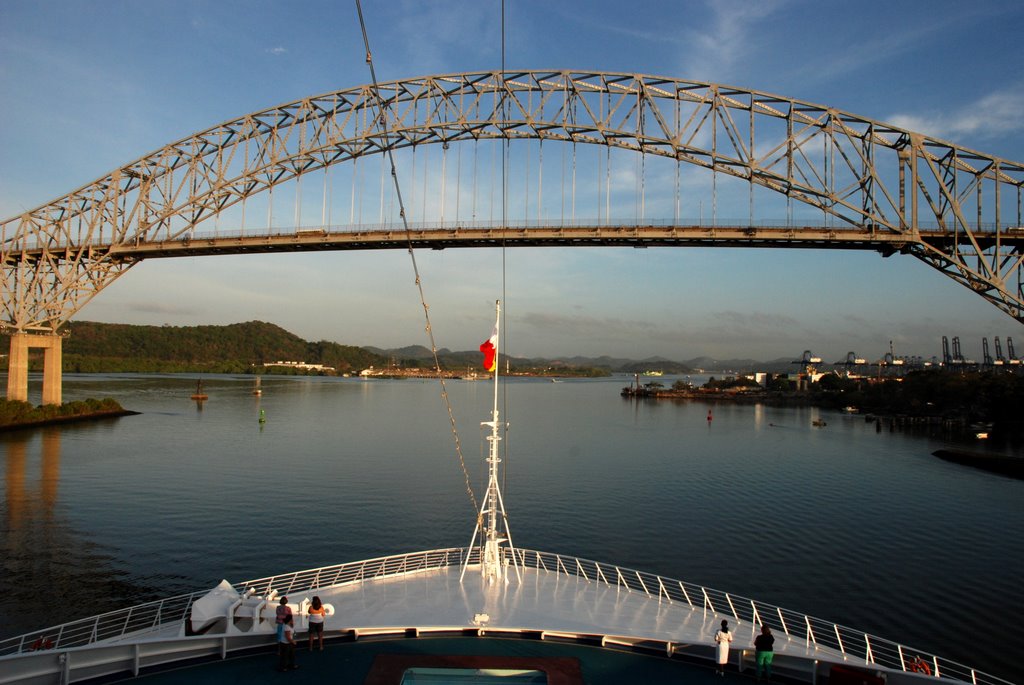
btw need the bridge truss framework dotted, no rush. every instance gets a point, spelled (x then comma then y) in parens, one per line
(884, 188)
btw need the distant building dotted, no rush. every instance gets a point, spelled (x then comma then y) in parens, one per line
(302, 366)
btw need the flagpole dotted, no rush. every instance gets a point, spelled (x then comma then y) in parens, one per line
(492, 559)
(497, 354)
(492, 564)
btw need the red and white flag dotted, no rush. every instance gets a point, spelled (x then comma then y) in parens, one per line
(490, 350)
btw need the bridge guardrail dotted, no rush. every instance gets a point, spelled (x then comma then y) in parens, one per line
(312, 231)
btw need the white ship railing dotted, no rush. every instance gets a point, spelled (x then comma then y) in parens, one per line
(853, 646)
(154, 617)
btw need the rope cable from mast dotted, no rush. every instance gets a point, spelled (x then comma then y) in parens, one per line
(382, 120)
(504, 229)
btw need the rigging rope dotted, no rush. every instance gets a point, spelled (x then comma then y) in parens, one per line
(382, 109)
(504, 228)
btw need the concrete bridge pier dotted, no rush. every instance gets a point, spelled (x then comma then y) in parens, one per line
(17, 366)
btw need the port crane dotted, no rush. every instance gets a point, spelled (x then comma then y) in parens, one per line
(1000, 359)
(958, 358)
(1012, 359)
(808, 362)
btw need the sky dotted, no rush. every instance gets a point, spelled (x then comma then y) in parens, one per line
(89, 86)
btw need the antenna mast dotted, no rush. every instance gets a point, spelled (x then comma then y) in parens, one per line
(493, 561)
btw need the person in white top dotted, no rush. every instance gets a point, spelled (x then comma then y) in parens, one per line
(286, 646)
(723, 637)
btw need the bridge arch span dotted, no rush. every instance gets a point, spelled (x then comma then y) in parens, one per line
(957, 209)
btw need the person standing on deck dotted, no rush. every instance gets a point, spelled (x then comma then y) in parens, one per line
(317, 616)
(286, 646)
(723, 637)
(764, 651)
(283, 610)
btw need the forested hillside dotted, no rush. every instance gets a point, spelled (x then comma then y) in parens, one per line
(236, 348)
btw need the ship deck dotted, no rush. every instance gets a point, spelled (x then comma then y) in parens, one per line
(549, 622)
(414, 610)
(548, 603)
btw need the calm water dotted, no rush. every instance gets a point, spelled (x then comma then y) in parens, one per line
(863, 528)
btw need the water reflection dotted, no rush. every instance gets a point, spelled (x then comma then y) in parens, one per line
(38, 502)
(44, 561)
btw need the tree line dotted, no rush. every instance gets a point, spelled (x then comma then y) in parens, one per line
(93, 347)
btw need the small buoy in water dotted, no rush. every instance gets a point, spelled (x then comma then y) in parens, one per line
(263, 416)
(710, 417)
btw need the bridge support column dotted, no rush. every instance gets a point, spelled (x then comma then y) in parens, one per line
(53, 359)
(17, 366)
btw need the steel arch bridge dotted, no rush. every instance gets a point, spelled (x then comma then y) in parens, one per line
(883, 188)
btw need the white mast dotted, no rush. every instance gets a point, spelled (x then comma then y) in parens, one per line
(493, 564)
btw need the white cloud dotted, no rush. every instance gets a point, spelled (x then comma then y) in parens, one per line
(278, 50)
(727, 39)
(994, 115)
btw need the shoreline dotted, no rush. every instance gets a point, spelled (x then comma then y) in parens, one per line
(91, 416)
(993, 462)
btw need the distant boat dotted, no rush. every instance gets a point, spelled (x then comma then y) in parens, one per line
(199, 394)
(850, 410)
(654, 373)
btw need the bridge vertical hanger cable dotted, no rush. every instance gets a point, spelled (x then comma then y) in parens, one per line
(246, 195)
(426, 177)
(714, 164)
(750, 162)
(642, 161)
(562, 216)
(352, 198)
(298, 201)
(382, 109)
(383, 185)
(323, 206)
(458, 181)
(540, 181)
(444, 176)
(476, 150)
(573, 208)
(526, 181)
(678, 162)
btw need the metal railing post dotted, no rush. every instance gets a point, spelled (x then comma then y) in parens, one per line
(731, 607)
(685, 593)
(643, 585)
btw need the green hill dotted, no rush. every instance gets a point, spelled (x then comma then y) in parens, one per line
(236, 348)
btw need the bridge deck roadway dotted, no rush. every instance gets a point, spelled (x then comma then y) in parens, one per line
(880, 240)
